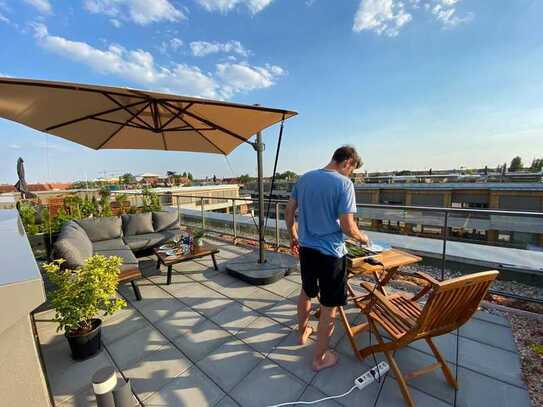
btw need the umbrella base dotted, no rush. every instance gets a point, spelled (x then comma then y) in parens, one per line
(248, 269)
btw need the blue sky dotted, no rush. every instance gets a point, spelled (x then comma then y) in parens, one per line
(413, 84)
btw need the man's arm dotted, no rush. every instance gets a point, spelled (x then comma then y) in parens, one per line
(290, 212)
(350, 228)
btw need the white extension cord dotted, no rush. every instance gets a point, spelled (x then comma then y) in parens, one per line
(375, 373)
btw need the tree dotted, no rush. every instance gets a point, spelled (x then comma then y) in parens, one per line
(243, 179)
(128, 179)
(537, 165)
(189, 176)
(287, 175)
(516, 164)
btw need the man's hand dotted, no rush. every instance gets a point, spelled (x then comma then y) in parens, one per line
(294, 246)
(350, 228)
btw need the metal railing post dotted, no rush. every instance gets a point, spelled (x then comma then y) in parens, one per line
(234, 220)
(178, 210)
(445, 235)
(277, 226)
(203, 213)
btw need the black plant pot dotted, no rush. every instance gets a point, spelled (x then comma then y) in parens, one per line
(86, 345)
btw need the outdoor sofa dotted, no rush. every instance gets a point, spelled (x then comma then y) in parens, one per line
(121, 236)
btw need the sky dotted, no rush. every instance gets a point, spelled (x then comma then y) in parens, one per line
(412, 84)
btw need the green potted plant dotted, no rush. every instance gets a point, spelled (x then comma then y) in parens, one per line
(198, 237)
(80, 297)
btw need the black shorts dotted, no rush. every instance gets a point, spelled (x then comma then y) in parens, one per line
(324, 274)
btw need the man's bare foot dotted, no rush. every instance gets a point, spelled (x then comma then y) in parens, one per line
(305, 335)
(329, 359)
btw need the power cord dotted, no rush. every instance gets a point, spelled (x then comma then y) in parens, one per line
(292, 403)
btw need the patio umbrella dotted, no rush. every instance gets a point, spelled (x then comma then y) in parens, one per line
(102, 117)
(21, 185)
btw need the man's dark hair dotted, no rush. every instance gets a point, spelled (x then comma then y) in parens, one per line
(344, 153)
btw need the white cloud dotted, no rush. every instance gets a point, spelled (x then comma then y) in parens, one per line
(139, 66)
(382, 16)
(4, 19)
(173, 44)
(116, 23)
(225, 6)
(15, 146)
(203, 48)
(43, 6)
(141, 12)
(445, 12)
(389, 16)
(237, 77)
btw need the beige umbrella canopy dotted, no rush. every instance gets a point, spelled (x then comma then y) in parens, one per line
(102, 117)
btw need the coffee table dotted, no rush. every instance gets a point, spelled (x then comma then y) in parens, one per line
(198, 252)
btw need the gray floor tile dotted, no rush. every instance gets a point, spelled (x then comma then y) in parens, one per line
(488, 317)
(295, 358)
(199, 295)
(188, 267)
(206, 274)
(263, 334)
(134, 346)
(66, 376)
(312, 394)
(283, 287)
(177, 279)
(284, 312)
(155, 370)
(479, 390)
(295, 277)
(340, 378)
(489, 333)
(494, 362)
(123, 324)
(230, 363)
(267, 384)
(234, 317)
(190, 388)
(392, 396)
(179, 322)
(260, 299)
(237, 290)
(227, 402)
(202, 339)
(446, 344)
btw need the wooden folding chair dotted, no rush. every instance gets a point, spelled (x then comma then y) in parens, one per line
(450, 304)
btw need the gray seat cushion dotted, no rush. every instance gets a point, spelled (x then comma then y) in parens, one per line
(72, 245)
(99, 229)
(137, 224)
(169, 234)
(165, 220)
(113, 244)
(145, 241)
(126, 254)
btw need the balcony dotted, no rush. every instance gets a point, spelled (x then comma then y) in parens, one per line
(210, 339)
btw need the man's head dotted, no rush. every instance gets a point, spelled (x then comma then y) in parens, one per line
(346, 160)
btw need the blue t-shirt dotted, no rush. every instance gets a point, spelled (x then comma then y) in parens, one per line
(322, 197)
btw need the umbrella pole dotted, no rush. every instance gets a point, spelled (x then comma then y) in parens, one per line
(259, 147)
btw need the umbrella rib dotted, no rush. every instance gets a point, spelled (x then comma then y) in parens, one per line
(125, 108)
(90, 116)
(121, 127)
(196, 130)
(136, 126)
(231, 133)
(179, 113)
(159, 126)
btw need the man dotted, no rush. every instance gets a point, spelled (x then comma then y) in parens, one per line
(326, 205)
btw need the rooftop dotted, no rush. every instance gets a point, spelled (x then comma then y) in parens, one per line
(211, 340)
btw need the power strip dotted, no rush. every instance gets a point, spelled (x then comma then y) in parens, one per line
(375, 373)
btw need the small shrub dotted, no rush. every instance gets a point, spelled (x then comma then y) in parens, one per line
(85, 293)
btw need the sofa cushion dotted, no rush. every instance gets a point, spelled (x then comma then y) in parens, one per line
(99, 229)
(126, 254)
(113, 244)
(145, 241)
(72, 245)
(169, 234)
(137, 224)
(165, 220)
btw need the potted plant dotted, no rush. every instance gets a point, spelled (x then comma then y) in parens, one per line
(198, 237)
(80, 296)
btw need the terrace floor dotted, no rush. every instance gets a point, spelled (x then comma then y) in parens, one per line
(211, 340)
